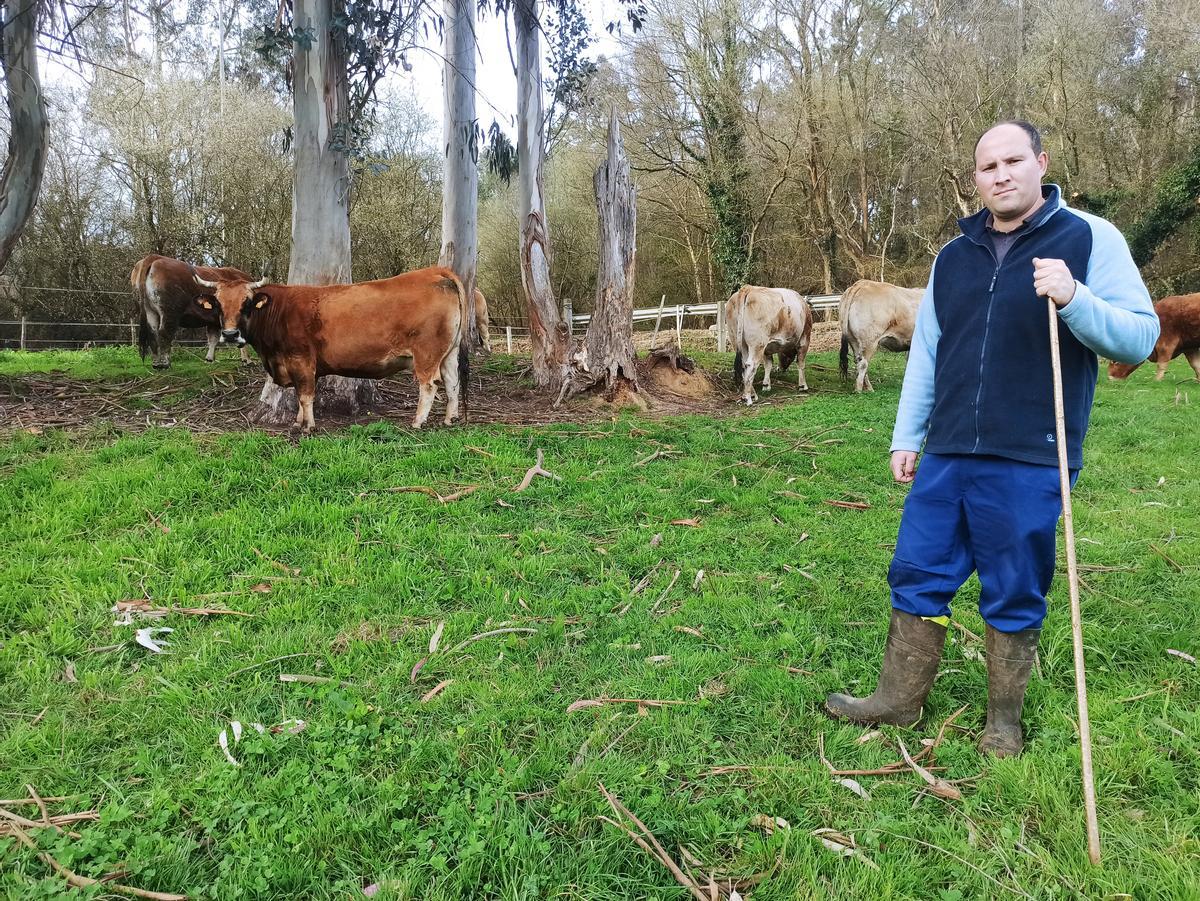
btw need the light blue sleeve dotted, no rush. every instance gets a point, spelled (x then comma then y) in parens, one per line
(1112, 313)
(916, 396)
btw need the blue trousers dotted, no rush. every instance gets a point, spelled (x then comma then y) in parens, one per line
(968, 513)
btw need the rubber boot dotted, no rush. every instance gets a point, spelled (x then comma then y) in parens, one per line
(1010, 657)
(910, 662)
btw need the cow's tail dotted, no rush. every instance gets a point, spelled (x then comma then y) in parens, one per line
(844, 324)
(464, 352)
(137, 280)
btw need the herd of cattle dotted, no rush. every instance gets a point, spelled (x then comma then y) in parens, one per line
(416, 321)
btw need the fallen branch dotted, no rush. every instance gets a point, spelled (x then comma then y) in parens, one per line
(426, 490)
(849, 505)
(146, 608)
(536, 470)
(311, 680)
(75, 880)
(641, 702)
(290, 570)
(464, 643)
(647, 842)
(1154, 547)
(662, 597)
(939, 787)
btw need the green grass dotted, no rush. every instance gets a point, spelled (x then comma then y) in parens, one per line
(429, 800)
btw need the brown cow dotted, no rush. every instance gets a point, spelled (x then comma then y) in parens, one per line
(369, 330)
(874, 315)
(167, 301)
(766, 321)
(1180, 320)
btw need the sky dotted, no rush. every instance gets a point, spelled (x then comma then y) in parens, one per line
(496, 85)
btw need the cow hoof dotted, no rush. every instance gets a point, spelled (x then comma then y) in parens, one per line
(162, 365)
(747, 401)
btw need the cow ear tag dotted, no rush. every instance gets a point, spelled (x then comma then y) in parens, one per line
(259, 305)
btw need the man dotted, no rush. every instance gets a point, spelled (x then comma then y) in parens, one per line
(978, 394)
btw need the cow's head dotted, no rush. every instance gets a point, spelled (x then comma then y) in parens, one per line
(235, 301)
(1121, 370)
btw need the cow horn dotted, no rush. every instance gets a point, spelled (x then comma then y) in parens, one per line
(201, 282)
(253, 286)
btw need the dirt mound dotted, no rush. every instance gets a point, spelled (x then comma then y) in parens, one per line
(679, 377)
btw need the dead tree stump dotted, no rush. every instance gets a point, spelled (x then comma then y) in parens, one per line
(607, 358)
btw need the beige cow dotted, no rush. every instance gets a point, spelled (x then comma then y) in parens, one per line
(762, 322)
(874, 315)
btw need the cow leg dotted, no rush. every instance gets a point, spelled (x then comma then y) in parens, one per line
(863, 383)
(427, 370)
(213, 334)
(749, 370)
(1162, 369)
(1193, 358)
(453, 387)
(426, 394)
(767, 361)
(801, 380)
(306, 392)
(162, 356)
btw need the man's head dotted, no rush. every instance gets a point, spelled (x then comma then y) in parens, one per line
(1009, 165)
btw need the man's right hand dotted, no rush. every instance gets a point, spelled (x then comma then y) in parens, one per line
(904, 465)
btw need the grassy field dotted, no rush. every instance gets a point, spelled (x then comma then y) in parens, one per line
(491, 786)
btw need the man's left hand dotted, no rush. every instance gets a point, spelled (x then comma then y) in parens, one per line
(1052, 278)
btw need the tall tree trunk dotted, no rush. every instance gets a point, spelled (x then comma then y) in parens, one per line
(21, 180)
(320, 195)
(609, 339)
(460, 178)
(547, 331)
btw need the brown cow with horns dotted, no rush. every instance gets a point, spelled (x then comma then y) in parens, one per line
(368, 330)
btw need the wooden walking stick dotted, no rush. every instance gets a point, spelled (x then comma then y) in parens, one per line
(1064, 478)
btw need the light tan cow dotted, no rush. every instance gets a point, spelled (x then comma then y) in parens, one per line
(874, 315)
(762, 322)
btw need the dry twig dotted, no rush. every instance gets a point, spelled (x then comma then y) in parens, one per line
(536, 470)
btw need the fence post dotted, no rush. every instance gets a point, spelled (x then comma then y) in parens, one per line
(679, 324)
(721, 326)
(508, 338)
(658, 320)
(132, 333)
(569, 316)
(22, 333)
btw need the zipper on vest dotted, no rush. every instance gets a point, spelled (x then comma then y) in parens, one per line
(987, 325)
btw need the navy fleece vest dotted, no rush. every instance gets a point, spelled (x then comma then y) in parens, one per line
(993, 383)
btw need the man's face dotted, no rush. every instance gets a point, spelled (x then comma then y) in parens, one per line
(1009, 174)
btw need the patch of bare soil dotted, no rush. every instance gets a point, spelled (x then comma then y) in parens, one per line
(223, 401)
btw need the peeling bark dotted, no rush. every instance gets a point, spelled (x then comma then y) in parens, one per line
(21, 180)
(607, 358)
(547, 331)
